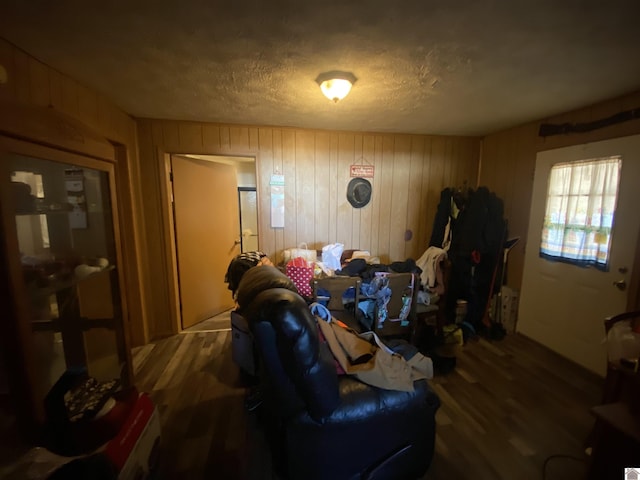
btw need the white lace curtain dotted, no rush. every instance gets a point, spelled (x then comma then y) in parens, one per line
(581, 203)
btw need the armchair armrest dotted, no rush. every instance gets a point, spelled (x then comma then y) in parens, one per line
(402, 424)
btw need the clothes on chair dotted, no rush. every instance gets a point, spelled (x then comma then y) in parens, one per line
(378, 293)
(341, 296)
(430, 264)
(370, 361)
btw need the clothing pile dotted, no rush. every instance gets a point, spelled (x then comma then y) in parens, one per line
(367, 358)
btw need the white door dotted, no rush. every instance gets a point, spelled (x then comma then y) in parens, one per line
(563, 306)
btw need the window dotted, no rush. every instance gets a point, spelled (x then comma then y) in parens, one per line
(579, 215)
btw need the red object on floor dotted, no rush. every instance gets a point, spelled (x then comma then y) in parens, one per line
(107, 426)
(135, 447)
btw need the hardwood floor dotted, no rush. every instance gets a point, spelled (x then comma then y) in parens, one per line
(507, 407)
(221, 321)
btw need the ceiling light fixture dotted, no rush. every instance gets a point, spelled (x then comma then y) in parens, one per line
(336, 85)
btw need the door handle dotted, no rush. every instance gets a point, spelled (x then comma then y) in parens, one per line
(236, 242)
(620, 285)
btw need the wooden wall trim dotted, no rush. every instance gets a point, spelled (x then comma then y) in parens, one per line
(49, 127)
(170, 253)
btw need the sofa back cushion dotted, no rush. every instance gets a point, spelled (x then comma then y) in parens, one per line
(297, 363)
(258, 279)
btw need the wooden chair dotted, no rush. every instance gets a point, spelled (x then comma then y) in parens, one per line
(401, 285)
(337, 287)
(616, 380)
(616, 434)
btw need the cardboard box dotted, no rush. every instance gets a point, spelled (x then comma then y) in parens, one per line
(135, 450)
(509, 303)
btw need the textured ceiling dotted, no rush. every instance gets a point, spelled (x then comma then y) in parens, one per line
(466, 67)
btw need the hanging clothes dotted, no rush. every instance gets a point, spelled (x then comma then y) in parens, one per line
(430, 263)
(477, 231)
(441, 222)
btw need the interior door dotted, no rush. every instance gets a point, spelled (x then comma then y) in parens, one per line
(207, 227)
(563, 306)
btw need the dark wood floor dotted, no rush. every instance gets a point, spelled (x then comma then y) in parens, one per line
(507, 407)
(221, 321)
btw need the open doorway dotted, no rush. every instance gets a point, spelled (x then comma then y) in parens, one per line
(207, 230)
(248, 205)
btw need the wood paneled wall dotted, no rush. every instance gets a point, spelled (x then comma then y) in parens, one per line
(508, 161)
(410, 172)
(34, 88)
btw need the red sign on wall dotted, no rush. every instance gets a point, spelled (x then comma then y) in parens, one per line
(364, 171)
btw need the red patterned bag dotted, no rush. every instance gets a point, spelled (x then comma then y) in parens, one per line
(300, 271)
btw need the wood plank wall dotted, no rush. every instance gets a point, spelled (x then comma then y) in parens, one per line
(31, 83)
(508, 161)
(410, 172)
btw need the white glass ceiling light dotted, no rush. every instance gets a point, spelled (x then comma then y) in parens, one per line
(336, 85)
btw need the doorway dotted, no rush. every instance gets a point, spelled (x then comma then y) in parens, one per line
(207, 232)
(248, 205)
(564, 306)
